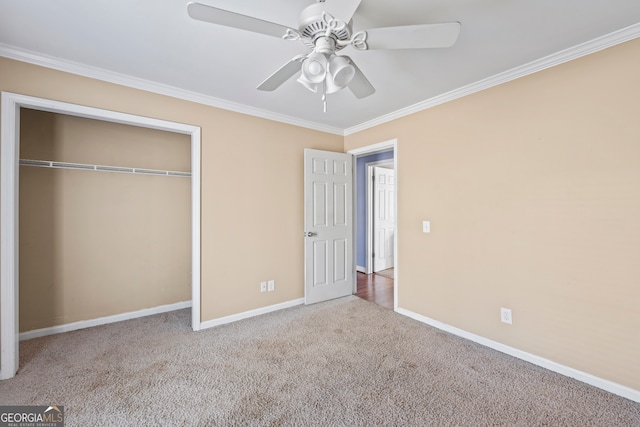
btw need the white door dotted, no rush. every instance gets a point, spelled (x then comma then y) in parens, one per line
(383, 217)
(328, 225)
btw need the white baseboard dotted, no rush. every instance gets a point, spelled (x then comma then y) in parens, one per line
(601, 383)
(250, 313)
(361, 269)
(102, 320)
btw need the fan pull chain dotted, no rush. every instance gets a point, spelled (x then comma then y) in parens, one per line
(324, 95)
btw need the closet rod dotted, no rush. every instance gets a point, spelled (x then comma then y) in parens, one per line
(99, 168)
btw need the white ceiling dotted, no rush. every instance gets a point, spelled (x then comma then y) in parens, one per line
(157, 41)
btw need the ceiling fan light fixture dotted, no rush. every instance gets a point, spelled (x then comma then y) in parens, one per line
(314, 71)
(313, 87)
(314, 68)
(326, 27)
(340, 74)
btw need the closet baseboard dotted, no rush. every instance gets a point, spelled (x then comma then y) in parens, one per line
(59, 329)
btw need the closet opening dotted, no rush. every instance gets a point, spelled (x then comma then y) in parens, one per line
(99, 225)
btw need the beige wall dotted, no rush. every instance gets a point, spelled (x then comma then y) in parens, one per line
(96, 244)
(252, 210)
(532, 189)
(64, 138)
(533, 193)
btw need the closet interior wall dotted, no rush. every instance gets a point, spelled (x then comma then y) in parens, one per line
(95, 244)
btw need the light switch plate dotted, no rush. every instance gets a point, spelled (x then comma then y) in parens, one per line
(505, 315)
(426, 226)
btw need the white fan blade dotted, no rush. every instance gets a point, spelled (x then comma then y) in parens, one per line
(413, 36)
(214, 15)
(342, 10)
(359, 85)
(284, 73)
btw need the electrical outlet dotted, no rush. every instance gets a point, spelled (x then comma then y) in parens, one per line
(505, 315)
(263, 286)
(271, 286)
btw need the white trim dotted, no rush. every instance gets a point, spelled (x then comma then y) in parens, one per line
(251, 313)
(10, 126)
(361, 269)
(608, 40)
(37, 333)
(372, 149)
(195, 229)
(9, 151)
(617, 37)
(567, 371)
(30, 57)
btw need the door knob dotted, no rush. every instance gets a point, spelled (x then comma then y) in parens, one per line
(310, 234)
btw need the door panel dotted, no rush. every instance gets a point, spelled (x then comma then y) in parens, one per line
(328, 223)
(319, 261)
(339, 260)
(319, 204)
(340, 204)
(384, 218)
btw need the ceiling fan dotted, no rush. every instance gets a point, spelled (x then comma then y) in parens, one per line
(325, 27)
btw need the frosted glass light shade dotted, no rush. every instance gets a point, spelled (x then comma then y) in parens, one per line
(314, 68)
(341, 72)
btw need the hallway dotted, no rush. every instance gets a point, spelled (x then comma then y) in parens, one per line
(376, 288)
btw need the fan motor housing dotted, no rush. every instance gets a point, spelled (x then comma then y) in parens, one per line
(312, 26)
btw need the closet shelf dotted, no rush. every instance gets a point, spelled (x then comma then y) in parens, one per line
(100, 168)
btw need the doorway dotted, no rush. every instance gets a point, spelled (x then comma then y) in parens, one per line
(11, 105)
(376, 279)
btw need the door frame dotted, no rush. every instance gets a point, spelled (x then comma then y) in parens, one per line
(9, 174)
(363, 151)
(369, 212)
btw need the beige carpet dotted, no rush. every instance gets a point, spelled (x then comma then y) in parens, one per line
(347, 362)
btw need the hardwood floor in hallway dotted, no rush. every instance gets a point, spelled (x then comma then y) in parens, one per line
(376, 288)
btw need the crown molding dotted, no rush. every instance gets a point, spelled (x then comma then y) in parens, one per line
(46, 61)
(617, 37)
